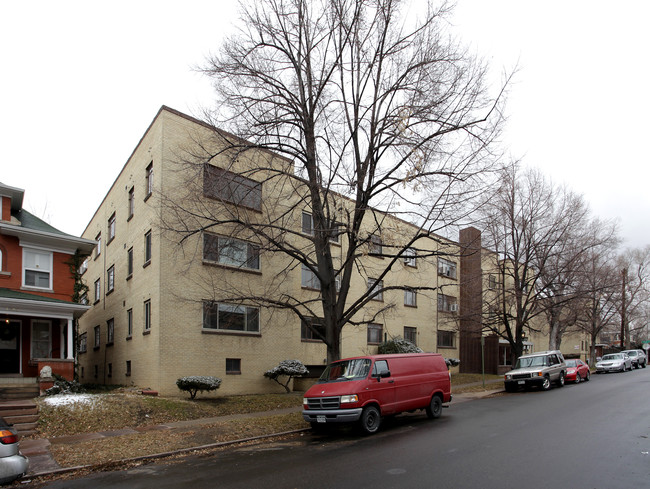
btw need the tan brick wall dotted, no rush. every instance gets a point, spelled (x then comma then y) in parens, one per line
(177, 282)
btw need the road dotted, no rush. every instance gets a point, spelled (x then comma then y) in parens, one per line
(595, 435)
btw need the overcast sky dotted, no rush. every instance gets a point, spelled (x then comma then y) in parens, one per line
(81, 81)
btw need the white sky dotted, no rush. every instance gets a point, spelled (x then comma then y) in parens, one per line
(81, 81)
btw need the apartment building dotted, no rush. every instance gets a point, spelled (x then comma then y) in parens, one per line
(160, 300)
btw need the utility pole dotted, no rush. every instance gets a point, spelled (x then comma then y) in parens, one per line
(623, 309)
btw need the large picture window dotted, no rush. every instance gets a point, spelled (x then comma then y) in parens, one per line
(230, 187)
(219, 316)
(37, 269)
(230, 252)
(446, 339)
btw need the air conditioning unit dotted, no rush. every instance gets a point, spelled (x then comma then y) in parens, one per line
(453, 307)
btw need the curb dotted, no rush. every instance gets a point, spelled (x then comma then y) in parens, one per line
(158, 455)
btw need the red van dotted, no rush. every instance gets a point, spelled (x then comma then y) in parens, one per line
(363, 389)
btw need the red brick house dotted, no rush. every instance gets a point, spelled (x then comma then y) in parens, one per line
(36, 289)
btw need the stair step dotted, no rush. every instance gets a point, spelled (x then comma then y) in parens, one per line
(25, 429)
(18, 420)
(7, 412)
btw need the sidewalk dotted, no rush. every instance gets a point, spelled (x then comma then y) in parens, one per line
(41, 461)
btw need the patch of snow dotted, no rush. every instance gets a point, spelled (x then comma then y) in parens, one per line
(66, 399)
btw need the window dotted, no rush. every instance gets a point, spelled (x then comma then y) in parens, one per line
(375, 289)
(233, 366)
(97, 337)
(410, 298)
(149, 180)
(98, 248)
(446, 339)
(307, 223)
(410, 257)
(37, 269)
(111, 228)
(147, 316)
(411, 334)
(312, 329)
(308, 279)
(41, 339)
(447, 303)
(110, 331)
(446, 268)
(129, 263)
(111, 279)
(230, 252)
(128, 368)
(98, 291)
(129, 323)
(492, 281)
(231, 187)
(375, 334)
(83, 267)
(376, 245)
(220, 316)
(110, 370)
(131, 202)
(83, 343)
(147, 247)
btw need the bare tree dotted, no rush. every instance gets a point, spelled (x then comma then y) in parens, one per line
(364, 112)
(540, 233)
(634, 296)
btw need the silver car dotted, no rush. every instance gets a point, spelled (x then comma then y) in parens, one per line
(537, 369)
(12, 463)
(638, 358)
(614, 362)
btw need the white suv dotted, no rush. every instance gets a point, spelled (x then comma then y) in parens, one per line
(537, 369)
(638, 358)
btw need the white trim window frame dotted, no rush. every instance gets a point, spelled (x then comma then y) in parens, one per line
(308, 279)
(376, 287)
(410, 298)
(38, 268)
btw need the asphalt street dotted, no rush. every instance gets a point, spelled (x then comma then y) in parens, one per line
(595, 435)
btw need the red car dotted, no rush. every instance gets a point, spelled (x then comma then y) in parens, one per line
(576, 371)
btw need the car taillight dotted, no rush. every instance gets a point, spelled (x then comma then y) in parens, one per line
(7, 437)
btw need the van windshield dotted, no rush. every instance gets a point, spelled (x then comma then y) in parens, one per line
(346, 370)
(526, 362)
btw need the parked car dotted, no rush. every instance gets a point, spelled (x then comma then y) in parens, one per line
(13, 464)
(576, 371)
(614, 362)
(639, 360)
(537, 369)
(365, 389)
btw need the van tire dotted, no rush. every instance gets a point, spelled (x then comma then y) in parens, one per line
(370, 420)
(435, 407)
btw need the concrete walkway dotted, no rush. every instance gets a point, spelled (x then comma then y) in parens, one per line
(41, 461)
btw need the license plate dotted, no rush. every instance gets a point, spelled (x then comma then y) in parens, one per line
(521, 382)
(321, 419)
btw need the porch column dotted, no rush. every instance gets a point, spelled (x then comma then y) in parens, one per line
(70, 338)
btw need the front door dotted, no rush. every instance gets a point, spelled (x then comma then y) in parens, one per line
(9, 347)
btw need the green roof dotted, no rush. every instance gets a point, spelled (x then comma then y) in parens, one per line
(15, 294)
(30, 221)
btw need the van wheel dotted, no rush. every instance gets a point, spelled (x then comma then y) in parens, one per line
(546, 383)
(560, 381)
(435, 407)
(370, 420)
